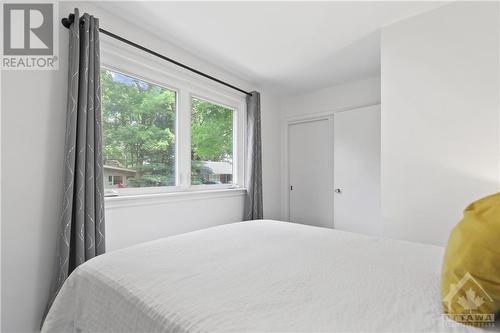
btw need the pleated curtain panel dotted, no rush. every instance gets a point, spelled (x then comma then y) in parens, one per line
(253, 201)
(82, 217)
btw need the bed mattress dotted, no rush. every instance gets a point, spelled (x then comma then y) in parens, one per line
(257, 276)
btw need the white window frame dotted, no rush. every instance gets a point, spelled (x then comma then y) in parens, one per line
(124, 59)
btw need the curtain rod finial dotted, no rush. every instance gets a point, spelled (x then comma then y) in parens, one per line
(66, 21)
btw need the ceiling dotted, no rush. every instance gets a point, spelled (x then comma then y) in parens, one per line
(288, 47)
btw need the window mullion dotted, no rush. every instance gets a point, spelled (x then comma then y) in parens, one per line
(184, 144)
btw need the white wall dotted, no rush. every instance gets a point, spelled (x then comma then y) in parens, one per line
(344, 96)
(271, 170)
(440, 118)
(33, 120)
(131, 221)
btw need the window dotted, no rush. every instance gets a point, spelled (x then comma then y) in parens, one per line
(138, 120)
(165, 130)
(211, 143)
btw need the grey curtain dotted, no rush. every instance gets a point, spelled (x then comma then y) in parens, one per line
(82, 216)
(253, 202)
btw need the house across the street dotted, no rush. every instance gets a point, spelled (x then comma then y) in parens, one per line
(116, 176)
(217, 172)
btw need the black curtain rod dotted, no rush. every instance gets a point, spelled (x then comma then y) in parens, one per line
(67, 21)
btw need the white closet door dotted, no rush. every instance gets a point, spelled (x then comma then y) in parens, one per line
(310, 176)
(357, 170)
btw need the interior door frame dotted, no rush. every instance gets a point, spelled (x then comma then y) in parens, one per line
(285, 176)
(303, 120)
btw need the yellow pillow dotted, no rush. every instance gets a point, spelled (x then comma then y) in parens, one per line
(470, 280)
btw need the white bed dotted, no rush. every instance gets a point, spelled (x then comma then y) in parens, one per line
(257, 276)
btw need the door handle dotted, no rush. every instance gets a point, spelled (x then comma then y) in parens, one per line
(337, 190)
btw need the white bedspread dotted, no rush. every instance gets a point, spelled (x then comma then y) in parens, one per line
(256, 277)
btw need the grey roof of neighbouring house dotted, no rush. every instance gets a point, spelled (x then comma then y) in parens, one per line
(218, 168)
(118, 169)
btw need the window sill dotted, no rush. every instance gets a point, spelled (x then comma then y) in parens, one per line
(169, 197)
